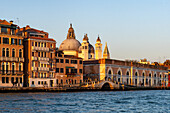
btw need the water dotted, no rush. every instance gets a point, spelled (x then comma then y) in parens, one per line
(96, 102)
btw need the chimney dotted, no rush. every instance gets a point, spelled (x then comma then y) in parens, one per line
(11, 22)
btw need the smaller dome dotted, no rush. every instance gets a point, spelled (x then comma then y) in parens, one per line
(91, 49)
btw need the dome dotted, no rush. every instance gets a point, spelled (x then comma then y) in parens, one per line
(91, 49)
(70, 44)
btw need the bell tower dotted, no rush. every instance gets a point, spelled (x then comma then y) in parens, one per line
(106, 53)
(85, 47)
(98, 49)
(71, 34)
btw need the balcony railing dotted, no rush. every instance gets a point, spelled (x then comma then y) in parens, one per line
(34, 58)
(43, 59)
(34, 68)
(43, 68)
(14, 59)
(11, 72)
(40, 48)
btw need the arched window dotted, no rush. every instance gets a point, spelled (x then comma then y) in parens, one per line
(20, 53)
(127, 73)
(7, 67)
(13, 68)
(109, 72)
(3, 67)
(150, 75)
(143, 75)
(13, 52)
(3, 52)
(19, 66)
(119, 73)
(136, 74)
(7, 52)
(155, 75)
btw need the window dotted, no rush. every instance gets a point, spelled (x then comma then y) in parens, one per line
(3, 68)
(51, 45)
(7, 79)
(0, 40)
(41, 54)
(7, 52)
(12, 79)
(80, 62)
(32, 43)
(13, 52)
(3, 52)
(74, 61)
(12, 40)
(61, 81)
(38, 54)
(75, 70)
(41, 44)
(16, 79)
(15, 41)
(32, 82)
(3, 79)
(12, 31)
(13, 68)
(57, 81)
(85, 47)
(20, 67)
(20, 53)
(57, 70)
(67, 71)
(38, 44)
(51, 55)
(41, 75)
(38, 82)
(3, 30)
(20, 41)
(61, 61)
(80, 70)
(44, 54)
(75, 81)
(44, 44)
(61, 70)
(57, 60)
(7, 67)
(32, 53)
(35, 43)
(5, 40)
(67, 61)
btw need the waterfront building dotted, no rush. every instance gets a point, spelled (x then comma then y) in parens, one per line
(69, 69)
(125, 72)
(11, 55)
(39, 53)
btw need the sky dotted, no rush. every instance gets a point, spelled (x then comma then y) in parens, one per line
(133, 29)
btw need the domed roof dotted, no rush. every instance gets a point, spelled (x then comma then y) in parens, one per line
(70, 44)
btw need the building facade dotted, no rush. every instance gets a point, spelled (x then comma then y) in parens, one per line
(39, 58)
(125, 72)
(11, 55)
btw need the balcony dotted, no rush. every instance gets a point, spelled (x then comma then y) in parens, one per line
(43, 68)
(14, 59)
(11, 72)
(34, 68)
(43, 59)
(40, 48)
(34, 58)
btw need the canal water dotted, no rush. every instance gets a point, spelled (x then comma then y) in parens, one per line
(152, 101)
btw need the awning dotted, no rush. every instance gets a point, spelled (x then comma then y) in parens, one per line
(44, 62)
(70, 67)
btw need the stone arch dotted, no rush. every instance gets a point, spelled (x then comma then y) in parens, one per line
(119, 75)
(109, 74)
(107, 86)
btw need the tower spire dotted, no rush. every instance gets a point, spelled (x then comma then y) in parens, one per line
(70, 34)
(106, 53)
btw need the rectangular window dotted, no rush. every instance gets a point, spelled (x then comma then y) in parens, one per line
(67, 61)
(32, 82)
(16, 79)
(5, 40)
(57, 81)
(61, 70)
(32, 53)
(41, 54)
(67, 71)
(15, 41)
(57, 60)
(80, 70)
(3, 52)
(7, 79)
(38, 82)
(41, 44)
(74, 61)
(80, 62)
(35, 43)
(32, 43)
(38, 54)
(12, 40)
(20, 42)
(3, 79)
(3, 30)
(44, 44)
(57, 70)
(61, 61)
(12, 80)
(38, 44)
(44, 54)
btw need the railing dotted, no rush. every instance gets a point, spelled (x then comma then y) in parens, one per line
(43, 59)
(14, 59)
(40, 48)
(13, 72)
(43, 68)
(34, 68)
(34, 58)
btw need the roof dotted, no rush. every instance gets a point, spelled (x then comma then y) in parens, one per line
(28, 28)
(49, 39)
(106, 50)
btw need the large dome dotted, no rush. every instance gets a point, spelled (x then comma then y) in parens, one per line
(70, 44)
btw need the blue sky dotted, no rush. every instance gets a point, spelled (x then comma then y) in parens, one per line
(133, 29)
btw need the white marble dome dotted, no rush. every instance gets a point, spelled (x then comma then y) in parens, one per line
(70, 44)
